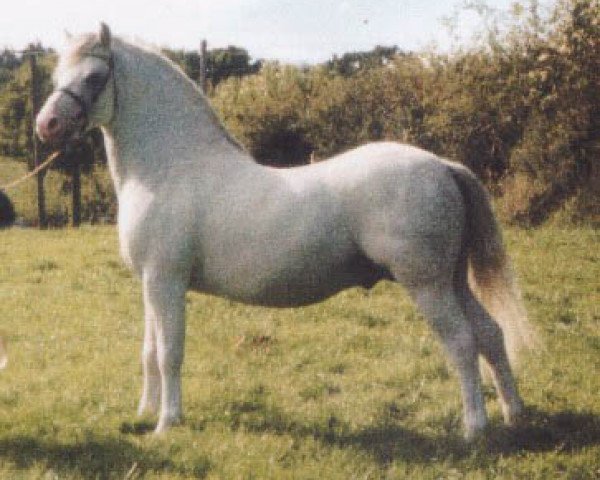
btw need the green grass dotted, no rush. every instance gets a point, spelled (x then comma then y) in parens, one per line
(354, 387)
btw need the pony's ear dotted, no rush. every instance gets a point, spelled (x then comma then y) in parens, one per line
(104, 35)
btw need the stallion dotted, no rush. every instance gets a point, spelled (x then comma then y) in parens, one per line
(196, 212)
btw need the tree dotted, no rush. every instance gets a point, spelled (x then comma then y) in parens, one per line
(350, 63)
(232, 61)
(15, 103)
(220, 64)
(8, 63)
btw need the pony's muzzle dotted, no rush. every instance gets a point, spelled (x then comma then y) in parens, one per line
(60, 120)
(50, 129)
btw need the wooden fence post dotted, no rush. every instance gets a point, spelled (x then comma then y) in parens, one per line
(203, 81)
(76, 194)
(41, 196)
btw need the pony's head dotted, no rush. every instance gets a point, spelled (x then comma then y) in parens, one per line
(84, 95)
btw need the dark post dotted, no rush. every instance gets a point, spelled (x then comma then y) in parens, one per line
(75, 154)
(203, 80)
(76, 195)
(41, 197)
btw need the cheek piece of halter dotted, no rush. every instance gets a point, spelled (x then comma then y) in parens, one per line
(97, 89)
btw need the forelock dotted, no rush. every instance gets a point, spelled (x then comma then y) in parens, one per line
(79, 48)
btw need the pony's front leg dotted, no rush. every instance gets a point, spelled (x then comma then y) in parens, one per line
(150, 400)
(164, 303)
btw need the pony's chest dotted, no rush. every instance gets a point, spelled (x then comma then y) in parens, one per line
(134, 222)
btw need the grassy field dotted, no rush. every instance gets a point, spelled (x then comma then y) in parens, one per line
(355, 387)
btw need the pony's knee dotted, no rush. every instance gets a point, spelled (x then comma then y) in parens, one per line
(462, 349)
(170, 360)
(150, 357)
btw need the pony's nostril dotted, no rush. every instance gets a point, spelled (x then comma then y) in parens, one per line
(52, 123)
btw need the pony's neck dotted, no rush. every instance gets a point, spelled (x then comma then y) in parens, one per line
(162, 121)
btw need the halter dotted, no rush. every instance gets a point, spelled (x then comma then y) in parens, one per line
(85, 109)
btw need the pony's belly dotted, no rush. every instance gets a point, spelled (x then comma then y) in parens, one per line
(296, 294)
(294, 288)
(277, 295)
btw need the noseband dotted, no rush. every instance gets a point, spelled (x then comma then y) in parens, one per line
(98, 89)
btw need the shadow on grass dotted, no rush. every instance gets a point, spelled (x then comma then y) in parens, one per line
(387, 441)
(541, 432)
(91, 459)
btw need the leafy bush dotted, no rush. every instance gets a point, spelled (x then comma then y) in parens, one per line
(521, 108)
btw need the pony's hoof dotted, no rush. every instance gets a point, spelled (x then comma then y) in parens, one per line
(165, 424)
(476, 433)
(514, 415)
(147, 409)
(136, 428)
(474, 437)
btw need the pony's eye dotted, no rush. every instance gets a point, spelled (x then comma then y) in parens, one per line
(93, 79)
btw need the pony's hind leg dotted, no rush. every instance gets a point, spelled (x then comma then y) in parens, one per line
(443, 309)
(490, 344)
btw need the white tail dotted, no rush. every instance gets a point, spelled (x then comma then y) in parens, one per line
(490, 273)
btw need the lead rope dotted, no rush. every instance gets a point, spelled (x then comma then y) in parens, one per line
(35, 171)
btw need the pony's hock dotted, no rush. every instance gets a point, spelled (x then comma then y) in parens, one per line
(190, 197)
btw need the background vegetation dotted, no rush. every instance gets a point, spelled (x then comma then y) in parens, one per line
(520, 106)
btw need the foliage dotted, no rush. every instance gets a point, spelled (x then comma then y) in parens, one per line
(521, 108)
(220, 63)
(350, 63)
(266, 112)
(560, 144)
(223, 63)
(286, 113)
(16, 102)
(8, 63)
(354, 387)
